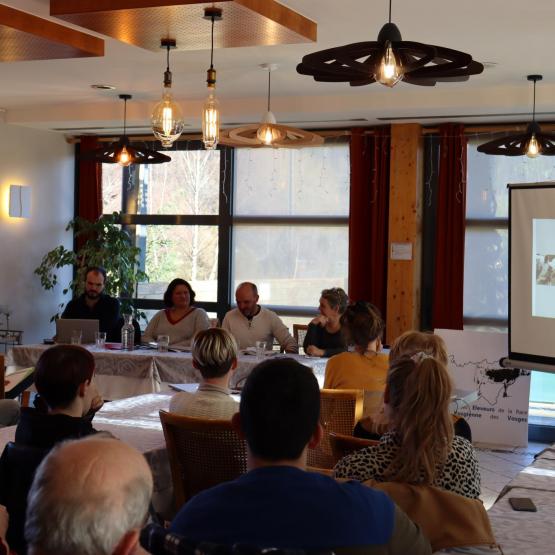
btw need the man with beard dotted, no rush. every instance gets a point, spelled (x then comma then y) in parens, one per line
(93, 304)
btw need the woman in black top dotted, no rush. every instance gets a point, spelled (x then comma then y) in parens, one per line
(323, 337)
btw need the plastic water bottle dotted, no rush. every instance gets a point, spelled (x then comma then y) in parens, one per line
(128, 333)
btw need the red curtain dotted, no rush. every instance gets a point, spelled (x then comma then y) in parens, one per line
(369, 216)
(89, 203)
(450, 228)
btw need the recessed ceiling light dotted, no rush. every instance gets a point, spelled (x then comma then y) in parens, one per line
(103, 87)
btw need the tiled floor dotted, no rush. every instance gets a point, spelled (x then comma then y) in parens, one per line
(498, 468)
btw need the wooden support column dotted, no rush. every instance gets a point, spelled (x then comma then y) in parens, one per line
(403, 273)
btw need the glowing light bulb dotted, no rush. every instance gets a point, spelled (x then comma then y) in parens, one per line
(268, 133)
(390, 71)
(533, 147)
(167, 120)
(211, 122)
(124, 158)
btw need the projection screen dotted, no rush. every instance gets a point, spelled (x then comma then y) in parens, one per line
(532, 275)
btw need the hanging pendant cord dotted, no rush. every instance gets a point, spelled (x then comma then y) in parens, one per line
(269, 87)
(168, 57)
(389, 11)
(212, 46)
(125, 116)
(534, 108)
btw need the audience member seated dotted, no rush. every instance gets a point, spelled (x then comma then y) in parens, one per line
(181, 319)
(323, 337)
(9, 412)
(215, 356)
(89, 496)
(365, 367)
(250, 322)
(420, 447)
(93, 304)
(279, 418)
(408, 344)
(68, 398)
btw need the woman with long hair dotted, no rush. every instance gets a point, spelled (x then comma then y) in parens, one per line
(420, 446)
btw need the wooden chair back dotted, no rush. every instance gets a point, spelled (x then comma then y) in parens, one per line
(343, 445)
(340, 410)
(202, 453)
(299, 333)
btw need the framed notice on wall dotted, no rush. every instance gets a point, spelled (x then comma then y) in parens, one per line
(499, 416)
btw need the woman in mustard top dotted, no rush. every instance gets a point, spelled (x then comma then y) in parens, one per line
(365, 367)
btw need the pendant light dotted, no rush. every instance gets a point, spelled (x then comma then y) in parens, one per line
(268, 132)
(167, 120)
(388, 61)
(532, 143)
(211, 109)
(122, 152)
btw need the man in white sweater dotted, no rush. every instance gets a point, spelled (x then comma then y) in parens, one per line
(250, 322)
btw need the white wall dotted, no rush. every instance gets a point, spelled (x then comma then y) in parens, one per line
(44, 161)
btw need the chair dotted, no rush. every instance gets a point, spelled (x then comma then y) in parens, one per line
(202, 453)
(343, 445)
(340, 409)
(18, 465)
(299, 333)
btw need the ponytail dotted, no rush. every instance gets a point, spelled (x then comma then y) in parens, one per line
(419, 395)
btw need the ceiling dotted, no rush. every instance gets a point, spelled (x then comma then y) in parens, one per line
(514, 37)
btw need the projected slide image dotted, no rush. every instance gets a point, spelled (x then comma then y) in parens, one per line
(543, 271)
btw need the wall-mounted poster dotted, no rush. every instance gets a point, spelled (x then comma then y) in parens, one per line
(499, 416)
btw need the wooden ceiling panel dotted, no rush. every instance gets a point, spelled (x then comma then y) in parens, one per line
(145, 22)
(27, 37)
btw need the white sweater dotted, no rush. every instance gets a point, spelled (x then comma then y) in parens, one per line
(263, 327)
(181, 332)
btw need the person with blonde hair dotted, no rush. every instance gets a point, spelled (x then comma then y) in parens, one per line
(420, 446)
(365, 367)
(215, 357)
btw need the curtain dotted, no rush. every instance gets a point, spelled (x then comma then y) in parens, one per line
(369, 216)
(89, 189)
(450, 229)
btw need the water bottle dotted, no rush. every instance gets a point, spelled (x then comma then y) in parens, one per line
(127, 333)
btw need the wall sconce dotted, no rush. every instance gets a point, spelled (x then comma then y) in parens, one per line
(20, 201)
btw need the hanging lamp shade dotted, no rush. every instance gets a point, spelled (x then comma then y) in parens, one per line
(389, 60)
(211, 108)
(124, 153)
(532, 143)
(167, 119)
(268, 132)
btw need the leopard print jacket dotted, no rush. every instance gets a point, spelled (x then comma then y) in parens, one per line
(460, 473)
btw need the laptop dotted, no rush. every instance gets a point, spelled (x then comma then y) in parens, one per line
(66, 326)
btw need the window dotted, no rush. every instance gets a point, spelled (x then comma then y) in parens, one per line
(290, 224)
(287, 232)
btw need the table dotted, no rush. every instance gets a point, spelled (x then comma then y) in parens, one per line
(122, 374)
(135, 421)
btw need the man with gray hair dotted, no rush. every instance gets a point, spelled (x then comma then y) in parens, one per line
(89, 497)
(250, 323)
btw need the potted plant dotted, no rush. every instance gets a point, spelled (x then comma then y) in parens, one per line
(101, 243)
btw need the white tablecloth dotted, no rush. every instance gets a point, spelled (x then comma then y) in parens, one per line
(121, 374)
(135, 421)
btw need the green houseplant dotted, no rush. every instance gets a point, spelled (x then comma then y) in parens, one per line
(102, 243)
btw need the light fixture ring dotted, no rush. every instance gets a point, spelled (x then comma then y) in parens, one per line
(212, 13)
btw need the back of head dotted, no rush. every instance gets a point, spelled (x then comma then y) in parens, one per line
(86, 496)
(362, 323)
(60, 371)
(214, 351)
(419, 392)
(280, 408)
(412, 342)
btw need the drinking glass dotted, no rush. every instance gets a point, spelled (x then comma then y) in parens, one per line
(260, 350)
(163, 342)
(76, 336)
(100, 339)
